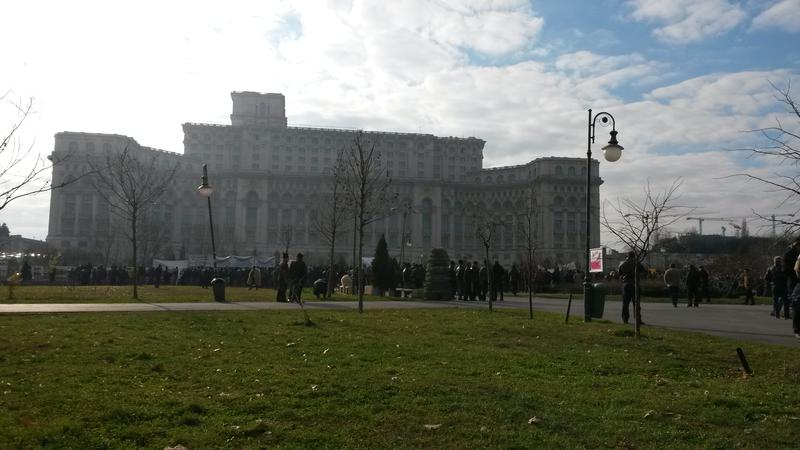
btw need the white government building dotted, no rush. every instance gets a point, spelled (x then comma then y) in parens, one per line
(268, 176)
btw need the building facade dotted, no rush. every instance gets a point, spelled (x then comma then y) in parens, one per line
(270, 179)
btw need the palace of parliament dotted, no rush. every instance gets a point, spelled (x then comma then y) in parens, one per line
(270, 178)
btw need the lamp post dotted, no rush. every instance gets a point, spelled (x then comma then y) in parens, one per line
(407, 209)
(206, 190)
(612, 152)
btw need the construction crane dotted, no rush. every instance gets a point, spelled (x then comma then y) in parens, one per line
(738, 229)
(772, 219)
(700, 221)
(742, 227)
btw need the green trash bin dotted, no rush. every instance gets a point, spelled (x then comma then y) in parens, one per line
(218, 287)
(598, 301)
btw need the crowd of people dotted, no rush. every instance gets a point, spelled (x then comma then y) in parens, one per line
(780, 281)
(470, 281)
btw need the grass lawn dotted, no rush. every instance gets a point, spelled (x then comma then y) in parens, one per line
(384, 379)
(149, 294)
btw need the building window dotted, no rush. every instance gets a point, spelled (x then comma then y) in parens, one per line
(558, 222)
(571, 228)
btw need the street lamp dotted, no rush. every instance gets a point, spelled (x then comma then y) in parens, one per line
(205, 190)
(406, 208)
(612, 152)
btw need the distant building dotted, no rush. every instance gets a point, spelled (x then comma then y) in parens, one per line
(268, 176)
(15, 243)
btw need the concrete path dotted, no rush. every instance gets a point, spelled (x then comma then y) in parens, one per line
(747, 323)
(744, 322)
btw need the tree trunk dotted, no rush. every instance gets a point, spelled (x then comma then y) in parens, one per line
(331, 275)
(637, 309)
(135, 268)
(358, 271)
(488, 276)
(530, 283)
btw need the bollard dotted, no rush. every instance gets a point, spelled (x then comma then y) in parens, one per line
(569, 306)
(745, 366)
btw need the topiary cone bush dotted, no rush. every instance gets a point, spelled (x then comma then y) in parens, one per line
(437, 276)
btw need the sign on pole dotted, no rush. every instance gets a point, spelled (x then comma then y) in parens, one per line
(596, 260)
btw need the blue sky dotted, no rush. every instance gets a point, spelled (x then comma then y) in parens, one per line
(684, 78)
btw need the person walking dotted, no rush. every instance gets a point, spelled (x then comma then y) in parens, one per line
(693, 286)
(514, 276)
(630, 271)
(254, 278)
(776, 278)
(705, 292)
(672, 278)
(460, 269)
(796, 301)
(453, 282)
(498, 274)
(297, 276)
(483, 281)
(789, 260)
(157, 276)
(282, 278)
(468, 292)
(747, 285)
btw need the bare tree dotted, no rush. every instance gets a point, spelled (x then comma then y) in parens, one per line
(485, 230)
(131, 185)
(781, 143)
(527, 229)
(287, 233)
(22, 173)
(634, 224)
(365, 183)
(329, 220)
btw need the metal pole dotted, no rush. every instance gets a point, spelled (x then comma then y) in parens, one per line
(587, 288)
(403, 238)
(210, 220)
(213, 246)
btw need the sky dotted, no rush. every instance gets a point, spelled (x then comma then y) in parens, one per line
(684, 79)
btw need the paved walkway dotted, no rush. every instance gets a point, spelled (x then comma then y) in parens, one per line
(744, 322)
(748, 323)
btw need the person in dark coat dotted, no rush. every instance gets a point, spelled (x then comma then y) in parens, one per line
(157, 276)
(693, 286)
(471, 281)
(747, 285)
(297, 276)
(498, 277)
(483, 282)
(776, 278)
(630, 271)
(705, 291)
(320, 288)
(282, 278)
(514, 276)
(789, 258)
(460, 269)
(453, 283)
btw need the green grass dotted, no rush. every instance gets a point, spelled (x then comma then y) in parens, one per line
(384, 379)
(147, 293)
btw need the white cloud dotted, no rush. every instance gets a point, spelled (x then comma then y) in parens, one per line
(783, 15)
(688, 20)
